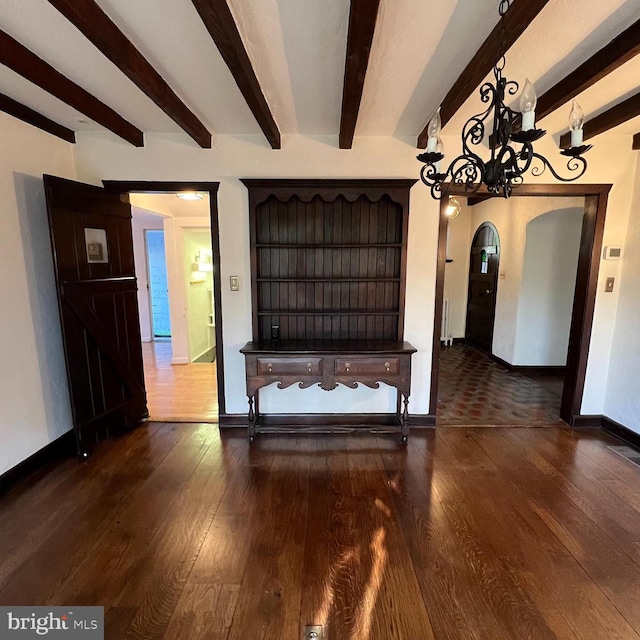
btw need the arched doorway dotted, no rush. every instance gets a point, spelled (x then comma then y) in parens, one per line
(483, 284)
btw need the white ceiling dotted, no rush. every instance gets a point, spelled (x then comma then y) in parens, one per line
(298, 49)
(168, 205)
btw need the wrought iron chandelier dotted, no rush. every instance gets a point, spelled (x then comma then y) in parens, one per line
(512, 153)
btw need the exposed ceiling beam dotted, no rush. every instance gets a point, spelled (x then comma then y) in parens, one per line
(510, 27)
(30, 66)
(620, 50)
(629, 108)
(98, 28)
(28, 115)
(636, 142)
(219, 21)
(362, 24)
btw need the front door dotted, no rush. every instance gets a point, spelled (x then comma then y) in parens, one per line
(97, 294)
(483, 283)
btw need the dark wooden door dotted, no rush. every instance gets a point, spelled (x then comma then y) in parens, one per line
(483, 285)
(97, 293)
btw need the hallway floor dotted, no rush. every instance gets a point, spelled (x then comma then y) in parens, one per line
(474, 390)
(181, 392)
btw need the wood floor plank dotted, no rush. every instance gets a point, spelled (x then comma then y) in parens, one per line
(158, 579)
(587, 486)
(328, 540)
(532, 558)
(112, 545)
(385, 568)
(178, 393)
(457, 605)
(204, 612)
(593, 548)
(65, 543)
(270, 593)
(224, 552)
(466, 533)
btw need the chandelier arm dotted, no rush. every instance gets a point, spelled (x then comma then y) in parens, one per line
(467, 170)
(524, 155)
(577, 163)
(511, 157)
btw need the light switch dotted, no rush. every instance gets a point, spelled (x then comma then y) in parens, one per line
(608, 288)
(234, 283)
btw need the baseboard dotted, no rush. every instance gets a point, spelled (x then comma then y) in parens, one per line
(63, 446)
(422, 421)
(180, 360)
(232, 420)
(586, 421)
(530, 370)
(620, 431)
(363, 420)
(207, 356)
(459, 341)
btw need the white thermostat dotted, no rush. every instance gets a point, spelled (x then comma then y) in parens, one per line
(612, 253)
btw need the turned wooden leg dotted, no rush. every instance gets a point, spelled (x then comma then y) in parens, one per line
(252, 420)
(405, 420)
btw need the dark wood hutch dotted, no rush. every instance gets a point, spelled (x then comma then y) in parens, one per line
(328, 273)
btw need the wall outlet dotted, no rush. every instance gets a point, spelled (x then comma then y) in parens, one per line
(234, 283)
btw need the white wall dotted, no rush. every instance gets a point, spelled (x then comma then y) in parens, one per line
(545, 300)
(623, 388)
(169, 158)
(34, 398)
(141, 221)
(101, 156)
(199, 298)
(456, 273)
(510, 217)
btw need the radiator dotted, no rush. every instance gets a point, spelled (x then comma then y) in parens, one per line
(445, 332)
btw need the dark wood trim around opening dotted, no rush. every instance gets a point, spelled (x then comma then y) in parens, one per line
(159, 187)
(595, 210)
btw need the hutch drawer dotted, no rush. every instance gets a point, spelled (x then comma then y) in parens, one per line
(289, 366)
(367, 366)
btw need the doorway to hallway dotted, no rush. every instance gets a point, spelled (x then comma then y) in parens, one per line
(529, 372)
(178, 272)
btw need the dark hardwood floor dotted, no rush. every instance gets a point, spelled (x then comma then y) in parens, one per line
(465, 533)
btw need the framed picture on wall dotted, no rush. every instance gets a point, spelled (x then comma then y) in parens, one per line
(96, 243)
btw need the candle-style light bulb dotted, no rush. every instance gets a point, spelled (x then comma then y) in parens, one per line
(433, 130)
(576, 122)
(439, 148)
(528, 101)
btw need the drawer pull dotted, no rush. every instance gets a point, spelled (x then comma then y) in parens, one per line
(347, 366)
(309, 367)
(387, 366)
(270, 367)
